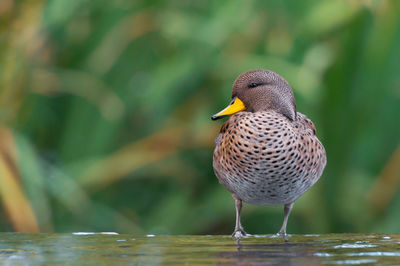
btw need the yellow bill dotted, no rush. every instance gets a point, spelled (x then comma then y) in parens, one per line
(235, 106)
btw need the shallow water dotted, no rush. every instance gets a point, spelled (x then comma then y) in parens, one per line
(114, 249)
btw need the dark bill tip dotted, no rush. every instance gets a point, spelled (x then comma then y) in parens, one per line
(216, 117)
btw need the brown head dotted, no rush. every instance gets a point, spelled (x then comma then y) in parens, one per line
(260, 90)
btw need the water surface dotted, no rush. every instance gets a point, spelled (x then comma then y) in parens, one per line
(114, 249)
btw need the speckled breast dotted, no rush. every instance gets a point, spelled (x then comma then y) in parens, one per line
(264, 158)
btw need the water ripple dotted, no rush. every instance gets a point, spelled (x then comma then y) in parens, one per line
(347, 245)
(375, 253)
(350, 262)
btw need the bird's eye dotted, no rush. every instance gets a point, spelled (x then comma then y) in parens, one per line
(253, 85)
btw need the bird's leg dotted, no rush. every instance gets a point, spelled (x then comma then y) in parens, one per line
(239, 231)
(287, 209)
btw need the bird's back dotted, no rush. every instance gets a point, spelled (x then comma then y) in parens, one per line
(264, 158)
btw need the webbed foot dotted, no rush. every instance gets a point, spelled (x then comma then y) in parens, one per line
(239, 233)
(283, 234)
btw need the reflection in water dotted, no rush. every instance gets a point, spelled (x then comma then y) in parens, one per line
(112, 248)
(284, 253)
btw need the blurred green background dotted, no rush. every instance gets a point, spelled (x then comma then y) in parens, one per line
(106, 105)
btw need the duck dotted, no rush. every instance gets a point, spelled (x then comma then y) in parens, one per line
(266, 153)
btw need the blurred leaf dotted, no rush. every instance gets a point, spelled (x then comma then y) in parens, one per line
(34, 182)
(387, 184)
(13, 197)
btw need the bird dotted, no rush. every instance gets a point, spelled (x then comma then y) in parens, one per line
(266, 153)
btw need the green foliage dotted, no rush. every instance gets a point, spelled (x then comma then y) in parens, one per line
(109, 106)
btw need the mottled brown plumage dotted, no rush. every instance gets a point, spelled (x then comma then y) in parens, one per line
(266, 154)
